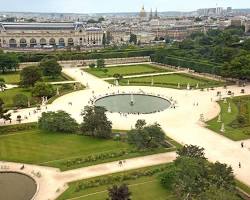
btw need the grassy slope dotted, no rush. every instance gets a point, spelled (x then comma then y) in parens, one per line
(126, 70)
(227, 118)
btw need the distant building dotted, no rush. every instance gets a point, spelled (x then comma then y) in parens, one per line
(143, 13)
(236, 22)
(36, 35)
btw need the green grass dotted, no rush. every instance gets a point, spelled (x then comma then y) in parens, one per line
(227, 118)
(8, 95)
(143, 188)
(11, 77)
(172, 81)
(35, 146)
(14, 78)
(55, 149)
(125, 70)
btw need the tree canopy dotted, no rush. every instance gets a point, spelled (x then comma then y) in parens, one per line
(59, 121)
(119, 192)
(95, 122)
(30, 75)
(50, 67)
(146, 137)
(8, 62)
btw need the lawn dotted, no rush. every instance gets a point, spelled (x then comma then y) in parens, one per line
(172, 81)
(143, 188)
(56, 150)
(125, 70)
(11, 78)
(14, 78)
(35, 146)
(8, 95)
(227, 118)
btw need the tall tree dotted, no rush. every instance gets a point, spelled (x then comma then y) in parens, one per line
(8, 62)
(191, 151)
(30, 75)
(133, 38)
(146, 137)
(2, 84)
(50, 67)
(119, 192)
(95, 122)
(100, 63)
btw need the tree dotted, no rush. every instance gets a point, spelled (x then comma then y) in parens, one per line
(2, 84)
(119, 192)
(100, 63)
(133, 38)
(214, 193)
(59, 121)
(50, 67)
(191, 177)
(3, 112)
(117, 76)
(95, 122)
(239, 67)
(92, 65)
(43, 90)
(30, 75)
(246, 44)
(191, 151)
(140, 124)
(146, 137)
(104, 39)
(20, 100)
(8, 62)
(221, 176)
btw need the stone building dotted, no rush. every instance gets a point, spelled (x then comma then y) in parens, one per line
(38, 35)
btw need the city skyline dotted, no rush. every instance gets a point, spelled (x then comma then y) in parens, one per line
(94, 6)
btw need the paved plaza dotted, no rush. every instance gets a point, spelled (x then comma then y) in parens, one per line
(181, 123)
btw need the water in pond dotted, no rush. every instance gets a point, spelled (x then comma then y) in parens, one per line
(137, 103)
(15, 186)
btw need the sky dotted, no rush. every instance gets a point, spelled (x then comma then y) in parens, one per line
(101, 6)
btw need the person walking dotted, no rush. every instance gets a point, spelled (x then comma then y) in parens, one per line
(239, 165)
(242, 144)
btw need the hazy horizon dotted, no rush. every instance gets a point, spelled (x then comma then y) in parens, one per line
(94, 6)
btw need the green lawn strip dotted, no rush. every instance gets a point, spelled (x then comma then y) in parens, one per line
(125, 70)
(172, 81)
(11, 77)
(134, 153)
(143, 188)
(235, 134)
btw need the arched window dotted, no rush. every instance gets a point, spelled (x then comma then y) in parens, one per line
(33, 42)
(12, 43)
(23, 43)
(70, 42)
(61, 42)
(43, 42)
(52, 41)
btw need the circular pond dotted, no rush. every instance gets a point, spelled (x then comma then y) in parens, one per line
(133, 103)
(16, 186)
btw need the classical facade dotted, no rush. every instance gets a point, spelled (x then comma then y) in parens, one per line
(38, 35)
